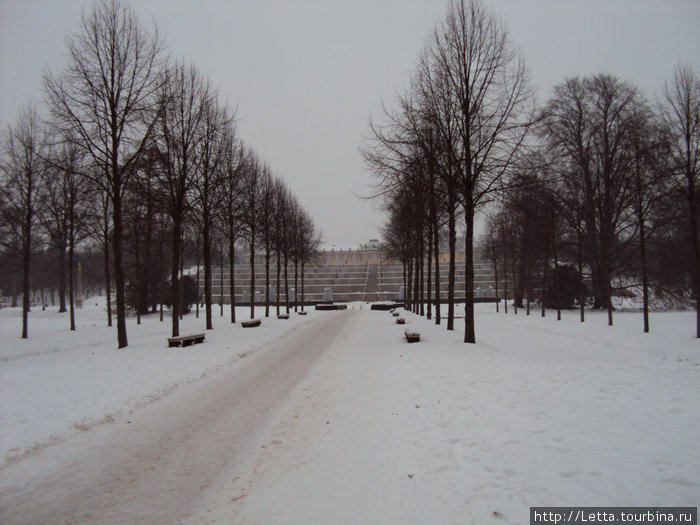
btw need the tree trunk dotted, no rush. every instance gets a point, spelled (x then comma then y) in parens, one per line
(267, 279)
(71, 286)
(693, 208)
(277, 284)
(422, 279)
(196, 314)
(175, 279)
(232, 276)
(206, 249)
(138, 279)
(303, 264)
(404, 284)
(286, 284)
(581, 294)
(505, 281)
(26, 261)
(544, 283)
(451, 274)
(296, 285)
(469, 331)
(436, 247)
(252, 274)
(645, 280)
(557, 293)
(221, 281)
(409, 287)
(108, 283)
(495, 279)
(416, 283)
(429, 314)
(118, 265)
(515, 286)
(182, 272)
(62, 277)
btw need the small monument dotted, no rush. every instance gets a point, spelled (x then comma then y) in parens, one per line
(328, 295)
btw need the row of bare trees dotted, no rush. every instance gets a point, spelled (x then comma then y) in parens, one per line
(599, 178)
(457, 131)
(138, 152)
(609, 189)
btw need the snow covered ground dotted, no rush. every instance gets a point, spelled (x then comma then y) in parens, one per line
(58, 382)
(538, 413)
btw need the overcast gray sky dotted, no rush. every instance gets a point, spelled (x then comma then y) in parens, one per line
(306, 74)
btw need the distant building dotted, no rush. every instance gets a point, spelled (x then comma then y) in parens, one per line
(368, 253)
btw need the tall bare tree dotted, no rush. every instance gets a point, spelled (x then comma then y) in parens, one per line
(104, 99)
(68, 205)
(230, 186)
(22, 174)
(215, 121)
(253, 189)
(486, 79)
(680, 114)
(184, 97)
(590, 124)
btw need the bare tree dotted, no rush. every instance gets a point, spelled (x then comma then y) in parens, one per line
(104, 100)
(230, 186)
(680, 114)
(279, 240)
(215, 121)
(23, 177)
(253, 189)
(310, 240)
(590, 124)
(68, 199)
(267, 224)
(184, 97)
(486, 79)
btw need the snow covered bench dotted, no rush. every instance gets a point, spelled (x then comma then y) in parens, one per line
(185, 340)
(283, 316)
(303, 312)
(400, 320)
(251, 324)
(395, 314)
(412, 337)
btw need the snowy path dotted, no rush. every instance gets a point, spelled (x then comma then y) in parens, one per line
(152, 466)
(334, 418)
(539, 413)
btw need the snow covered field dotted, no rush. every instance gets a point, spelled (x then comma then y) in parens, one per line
(538, 413)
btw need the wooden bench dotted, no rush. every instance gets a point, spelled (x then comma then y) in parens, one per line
(400, 320)
(185, 340)
(283, 316)
(412, 337)
(251, 324)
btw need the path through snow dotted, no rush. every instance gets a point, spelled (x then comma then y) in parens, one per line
(153, 466)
